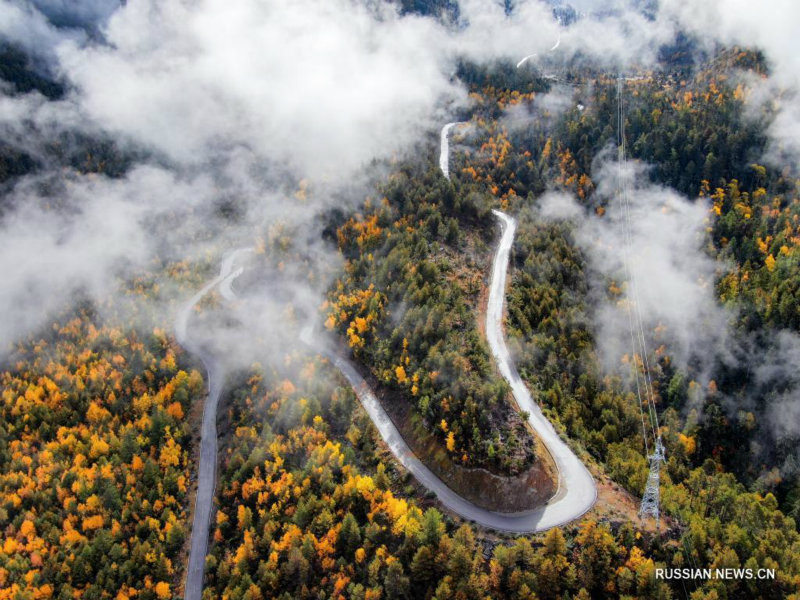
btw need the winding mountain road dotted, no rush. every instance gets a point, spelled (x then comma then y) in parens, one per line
(576, 491)
(207, 469)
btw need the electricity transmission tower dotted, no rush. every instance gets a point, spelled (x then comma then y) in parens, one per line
(652, 496)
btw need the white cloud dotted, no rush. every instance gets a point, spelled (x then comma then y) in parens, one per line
(98, 231)
(559, 205)
(321, 86)
(658, 243)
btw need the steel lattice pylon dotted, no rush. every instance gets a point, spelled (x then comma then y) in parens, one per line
(650, 500)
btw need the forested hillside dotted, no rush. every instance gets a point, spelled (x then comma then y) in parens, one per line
(408, 305)
(94, 463)
(308, 508)
(752, 232)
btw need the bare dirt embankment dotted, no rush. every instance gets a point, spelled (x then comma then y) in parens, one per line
(508, 494)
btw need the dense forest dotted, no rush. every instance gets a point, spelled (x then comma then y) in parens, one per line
(309, 509)
(753, 230)
(408, 306)
(94, 463)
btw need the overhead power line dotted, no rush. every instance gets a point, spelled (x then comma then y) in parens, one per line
(650, 504)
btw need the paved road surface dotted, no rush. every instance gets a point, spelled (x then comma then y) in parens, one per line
(444, 149)
(207, 469)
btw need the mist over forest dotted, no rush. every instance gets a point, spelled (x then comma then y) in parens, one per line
(246, 335)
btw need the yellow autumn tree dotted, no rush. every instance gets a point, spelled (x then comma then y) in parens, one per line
(162, 590)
